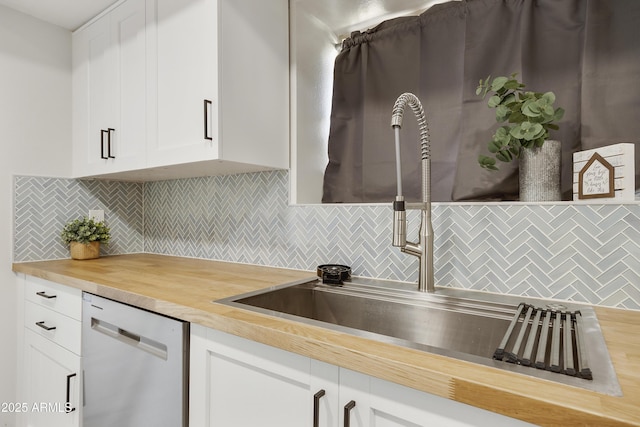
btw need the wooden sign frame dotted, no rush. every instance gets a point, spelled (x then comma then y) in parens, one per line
(585, 181)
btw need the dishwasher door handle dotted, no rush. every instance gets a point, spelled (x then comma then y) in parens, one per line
(129, 335)
(138, 341)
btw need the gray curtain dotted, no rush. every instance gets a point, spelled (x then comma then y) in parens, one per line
(587, 52)
(358, 168)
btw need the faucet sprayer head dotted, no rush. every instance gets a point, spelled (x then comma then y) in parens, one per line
(416, 106)
(401, 103)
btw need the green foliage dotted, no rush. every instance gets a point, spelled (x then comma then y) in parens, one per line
(85, 230)
(529, 116)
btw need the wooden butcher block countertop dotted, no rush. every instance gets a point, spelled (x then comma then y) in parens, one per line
(185, 288)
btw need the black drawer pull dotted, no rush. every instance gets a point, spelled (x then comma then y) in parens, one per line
(67, 407)
(43, 294)
(347, 412)
(45, 327)
(102, 132)
(316, 407)
(109, 143)
(207, 116)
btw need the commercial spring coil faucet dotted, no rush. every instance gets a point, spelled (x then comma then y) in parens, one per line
(424, 248)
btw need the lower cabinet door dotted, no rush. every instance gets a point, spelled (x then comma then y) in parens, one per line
(394, 405)
(52, 384)
(236, 382)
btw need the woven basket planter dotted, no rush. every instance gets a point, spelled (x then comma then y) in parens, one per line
(85, 251)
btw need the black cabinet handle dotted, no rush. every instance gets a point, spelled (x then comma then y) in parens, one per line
(109, 130)
(316, 407)
(45, 327)
(102, 132)
(347, 412)
(68, 407)
(207, 115)
(43, 294)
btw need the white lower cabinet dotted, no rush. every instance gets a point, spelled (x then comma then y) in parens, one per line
(49, 364)
(234, 381)
(51, 383)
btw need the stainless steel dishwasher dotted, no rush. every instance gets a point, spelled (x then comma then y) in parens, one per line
(135, 365)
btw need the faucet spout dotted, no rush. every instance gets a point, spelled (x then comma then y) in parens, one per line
(423, 249)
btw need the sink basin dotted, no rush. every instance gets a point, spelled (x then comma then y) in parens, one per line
(462, 324)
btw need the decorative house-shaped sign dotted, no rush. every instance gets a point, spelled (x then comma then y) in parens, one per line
(596, 179)
(605, 173)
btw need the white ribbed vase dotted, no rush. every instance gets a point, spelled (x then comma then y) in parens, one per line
(540, 173)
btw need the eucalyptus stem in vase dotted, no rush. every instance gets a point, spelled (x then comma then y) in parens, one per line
(528, 116)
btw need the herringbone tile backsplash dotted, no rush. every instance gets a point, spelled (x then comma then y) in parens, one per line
(588, 253)
(44, 205)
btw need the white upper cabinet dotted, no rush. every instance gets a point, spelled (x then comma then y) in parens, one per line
(202, 88)
(183, 49)
(254, 81)
(109, 73)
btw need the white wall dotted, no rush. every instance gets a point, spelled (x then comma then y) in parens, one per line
(313, 53)
(35, 139)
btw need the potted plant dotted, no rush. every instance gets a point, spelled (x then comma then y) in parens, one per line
(528, 116)
(83, 236)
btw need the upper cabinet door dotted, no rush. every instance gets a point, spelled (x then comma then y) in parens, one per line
(128, 41)
(109, 87)
(222, 83)
(183, 52)
(92, 97)
(253, 66)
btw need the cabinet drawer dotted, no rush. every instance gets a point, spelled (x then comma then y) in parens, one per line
(54, 326)
(60, 298)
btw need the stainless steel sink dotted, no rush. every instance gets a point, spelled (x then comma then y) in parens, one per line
(462, 324)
